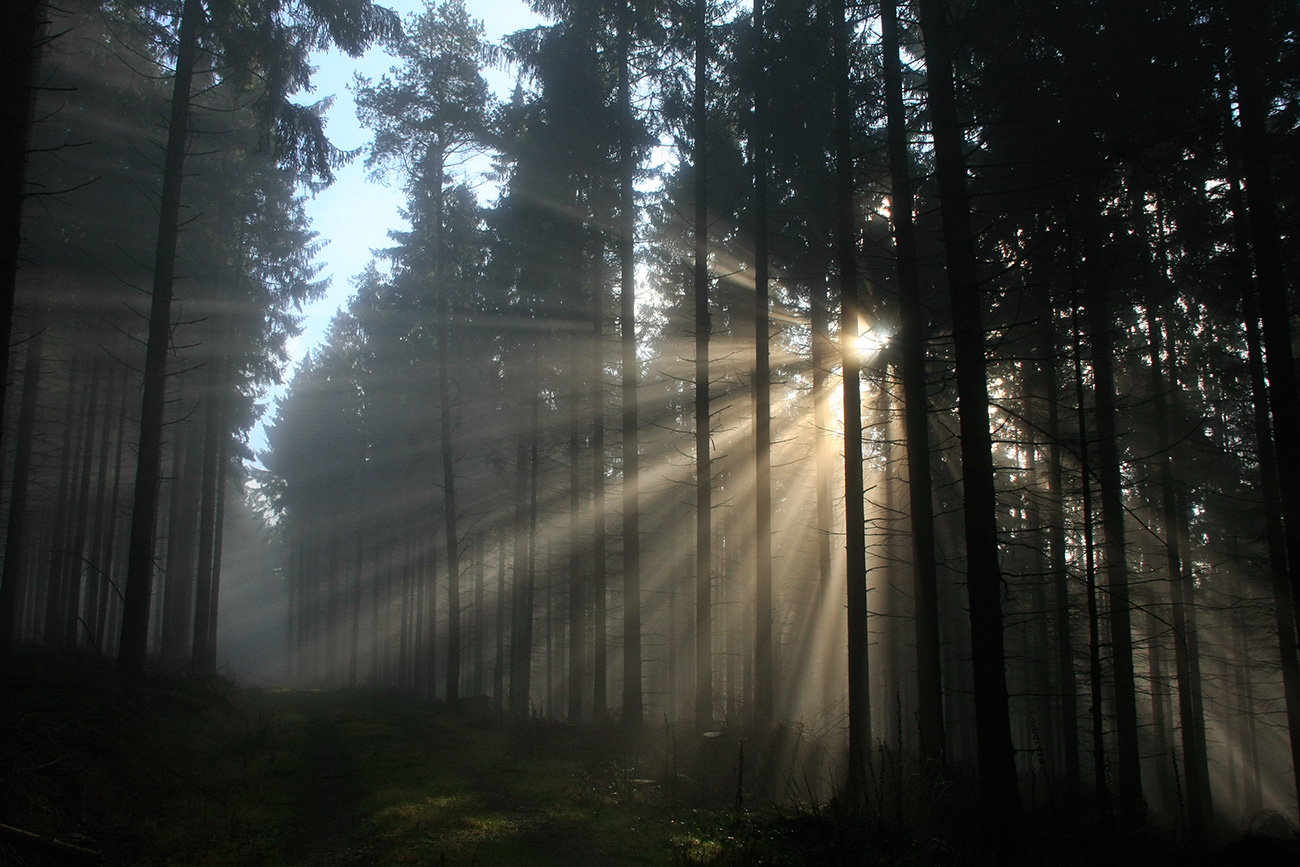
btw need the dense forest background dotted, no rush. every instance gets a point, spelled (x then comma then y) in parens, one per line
(918, 378)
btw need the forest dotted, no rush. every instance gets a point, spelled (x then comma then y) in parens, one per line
(894, 387)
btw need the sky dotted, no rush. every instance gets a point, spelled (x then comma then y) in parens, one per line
(355, 214)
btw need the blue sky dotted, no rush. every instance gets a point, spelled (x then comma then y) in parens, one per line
(355, 214)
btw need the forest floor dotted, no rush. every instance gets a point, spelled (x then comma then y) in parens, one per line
(198, 771)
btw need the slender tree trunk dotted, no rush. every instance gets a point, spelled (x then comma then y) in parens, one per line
(1191, 724)
(520, 652)
(480, 617)
(203, 656)
(96, 565)
(1101, 784)
(763, 711)
(1069, 699)
(577, 680)
(13, 588)
(703, 465)
(79, 559)
(55, 595)
(824, 459)
(134, 643)
(1000, 796)
(498, 675)
(109, 556)
(859, 692)
(929, 677)
(219, 525)
(632, 707)
(599, 574)
(1132, 807)
(358, 575)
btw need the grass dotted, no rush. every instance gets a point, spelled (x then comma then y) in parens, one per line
(200, 772)
(197, 771)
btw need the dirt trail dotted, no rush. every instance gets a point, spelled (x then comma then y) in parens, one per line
(330, 830)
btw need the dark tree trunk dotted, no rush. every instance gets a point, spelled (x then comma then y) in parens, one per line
(182, 536)
(703, 465)
(1247, 27)
(577, 681)
(1068, 696)
(1191, 722)
(109, 556)
(763, 699)
(134, 644)
(21, 42)
(1131, 805)
(1101, 784)
(599, 575)
(859, 692)
(480, 617)
(55, 595)
(97, 566)
(15, 565)
(79, 559)
(632, 709)
(1000, 796)
(498, 673)
(203, 657)
(929, 677)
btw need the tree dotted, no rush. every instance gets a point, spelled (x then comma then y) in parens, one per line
(299, 144)
(1000, 796)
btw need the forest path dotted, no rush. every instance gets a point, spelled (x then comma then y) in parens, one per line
(377, 780)
(327, 830)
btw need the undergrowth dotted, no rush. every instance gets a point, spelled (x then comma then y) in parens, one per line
(202, 771)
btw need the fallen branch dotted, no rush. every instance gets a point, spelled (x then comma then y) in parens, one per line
(49, 845)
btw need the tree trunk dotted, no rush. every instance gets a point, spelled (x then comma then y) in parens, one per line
(632, 708)
(134, 644)
(1068, 696)
(1000, 797)
(1191, 723)
(77, 563)
(21, 42)
(203, 657)
(599, 574)
(480, 617)
(1101, 785)
(577, 680)
(703, 465)
(929, 677)
(763, 711)
(1132, 807)
(12, 590)
(55, 595)
(1284, 401)
(859, 691)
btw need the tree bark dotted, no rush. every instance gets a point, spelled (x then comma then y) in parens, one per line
(21, 42)
(134, 645)
(1191, 722)
(15, 564)
(765, 685)
(1000, 797)
(632, 706)
(929, 677)
(599, 572)
(203, 656)
(1131, 805)
(859, 691)
(703, 465)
